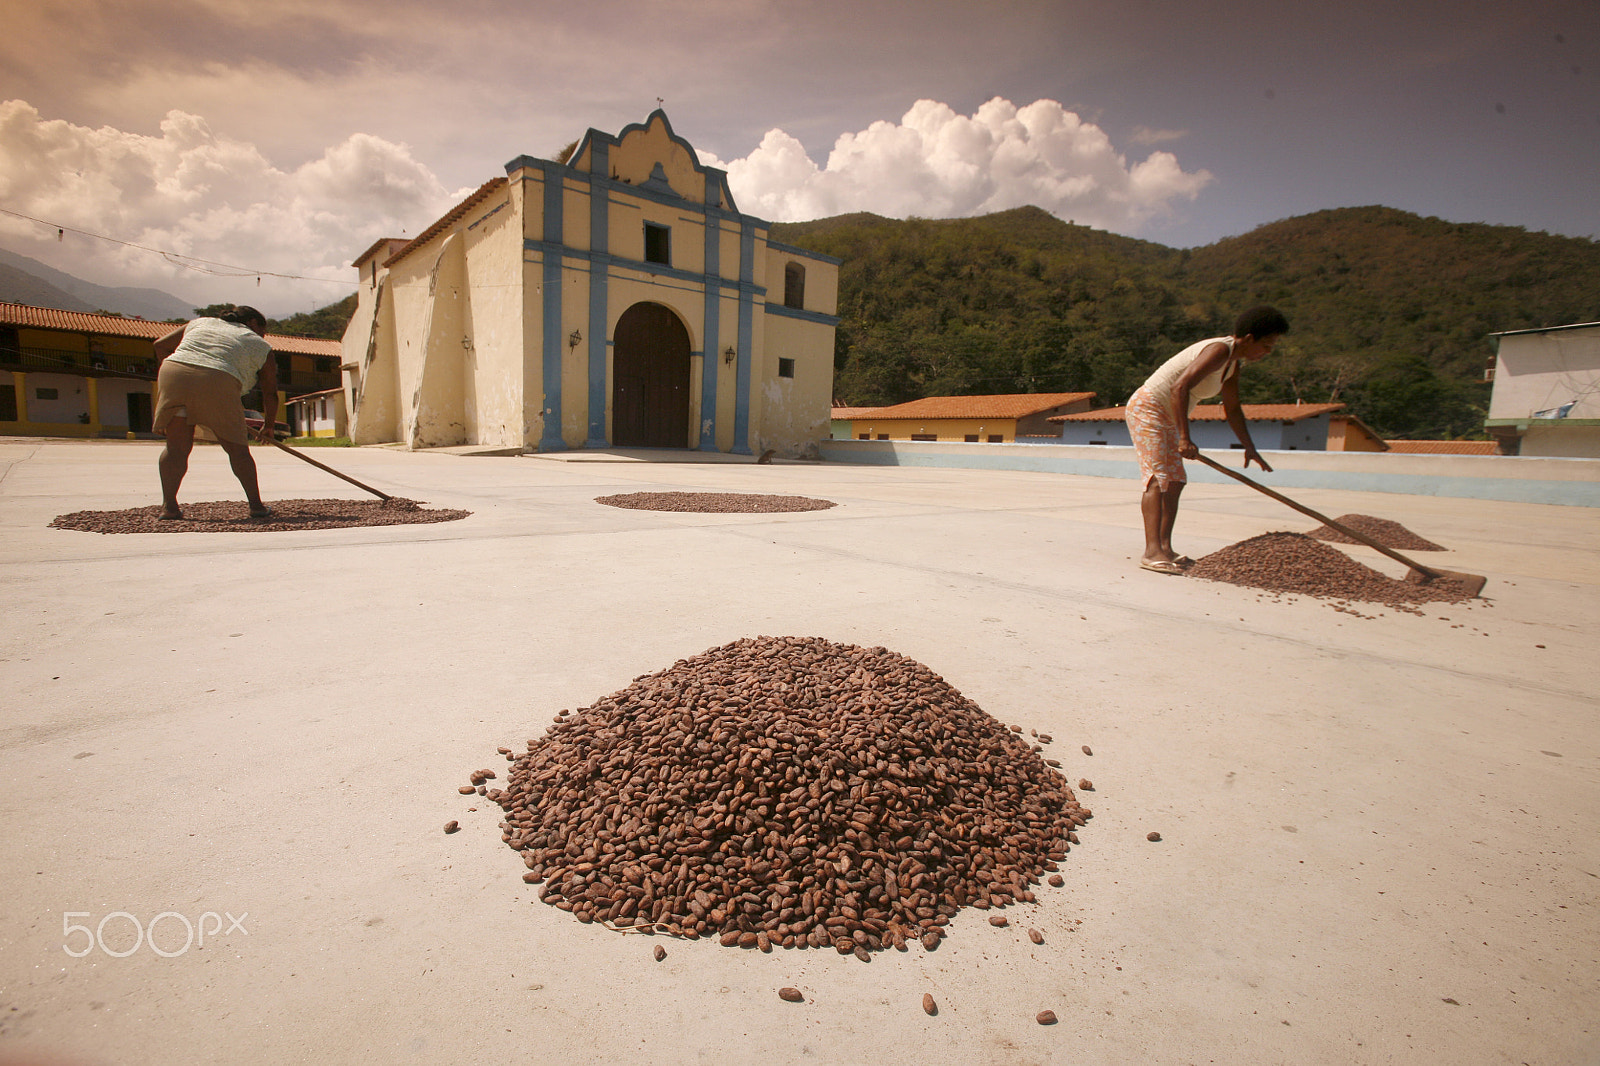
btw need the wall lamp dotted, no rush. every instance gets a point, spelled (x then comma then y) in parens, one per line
(574, 339)
(727, 354)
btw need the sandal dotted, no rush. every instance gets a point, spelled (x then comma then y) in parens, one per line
(1161, 566)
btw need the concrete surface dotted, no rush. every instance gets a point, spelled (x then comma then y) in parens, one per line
(1379, 833)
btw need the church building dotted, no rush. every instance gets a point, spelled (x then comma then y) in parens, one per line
(619, 299)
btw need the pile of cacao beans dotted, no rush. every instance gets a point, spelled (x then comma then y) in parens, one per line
(1297, 563)
(786, 792)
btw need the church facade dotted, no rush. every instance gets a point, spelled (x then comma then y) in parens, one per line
(617, 300)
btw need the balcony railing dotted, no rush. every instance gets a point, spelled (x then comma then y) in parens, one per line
(51, 359)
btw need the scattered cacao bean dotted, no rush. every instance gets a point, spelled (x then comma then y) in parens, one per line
(660, 952)
(928, 1005)
(451, 827)
(1153, 837)
(791, 995)
(1046, 1017)
(1036, 936)
(1085, 784)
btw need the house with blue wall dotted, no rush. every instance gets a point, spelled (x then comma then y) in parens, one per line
(1274, 426)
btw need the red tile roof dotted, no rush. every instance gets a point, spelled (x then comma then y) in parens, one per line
(454, 215)
(854, 412)
(30, 317)
(1013, 405)
(1443, 447)
(1213, 412)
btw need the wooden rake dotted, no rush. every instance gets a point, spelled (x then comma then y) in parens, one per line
(1417, 574)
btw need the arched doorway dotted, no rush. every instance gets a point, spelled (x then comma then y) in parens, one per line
(650, 379)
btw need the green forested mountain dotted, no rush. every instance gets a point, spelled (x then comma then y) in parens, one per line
(1390, 312)
(325, 322)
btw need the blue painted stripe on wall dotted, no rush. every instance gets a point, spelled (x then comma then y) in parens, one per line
(789, 249)
(599, 295)
(550, 440)
(711, 341)
(795, 312)
(741, 406)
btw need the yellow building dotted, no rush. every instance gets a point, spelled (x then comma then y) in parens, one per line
(616, 300)
(976, 419)
(74, 374)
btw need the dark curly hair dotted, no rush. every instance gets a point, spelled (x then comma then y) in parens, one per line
(1261, 322)
(245, 316)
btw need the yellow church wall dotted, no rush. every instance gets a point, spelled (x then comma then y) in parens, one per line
(795, 411)
(493, 401)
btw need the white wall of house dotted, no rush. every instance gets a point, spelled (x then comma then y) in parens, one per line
(1555, 374)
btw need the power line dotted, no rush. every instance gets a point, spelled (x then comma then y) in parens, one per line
(188, 262)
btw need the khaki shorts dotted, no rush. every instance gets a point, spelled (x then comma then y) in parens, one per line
(209, 398)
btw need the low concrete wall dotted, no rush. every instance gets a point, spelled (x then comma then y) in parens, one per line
(1520, 479)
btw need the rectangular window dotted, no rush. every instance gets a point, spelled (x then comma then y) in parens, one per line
(971, 438)
(883, 436)
(924, 436)
(864, 436)
(657, 244)
(1099, 442)
(46, 394)
(996, 438)
(785, 368)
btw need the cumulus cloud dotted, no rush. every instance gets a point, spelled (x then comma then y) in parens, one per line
(191, 192)
(937, 163)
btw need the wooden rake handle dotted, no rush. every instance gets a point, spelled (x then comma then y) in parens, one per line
(1425, 571)
(331, 470)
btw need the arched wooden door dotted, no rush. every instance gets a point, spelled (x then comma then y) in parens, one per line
(650, 379)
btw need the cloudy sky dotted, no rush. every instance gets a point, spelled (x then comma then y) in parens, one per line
(284, 137)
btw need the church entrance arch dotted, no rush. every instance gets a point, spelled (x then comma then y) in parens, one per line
(650, 379)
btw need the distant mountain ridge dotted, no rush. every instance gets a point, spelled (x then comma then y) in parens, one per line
(1391, 313)
(28, 281)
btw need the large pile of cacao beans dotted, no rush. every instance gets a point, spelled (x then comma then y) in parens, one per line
(788, 792)
(1297, 563)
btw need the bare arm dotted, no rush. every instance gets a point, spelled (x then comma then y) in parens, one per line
(267, 381)
(1212, 358)
(1236, 419)
(165, 346)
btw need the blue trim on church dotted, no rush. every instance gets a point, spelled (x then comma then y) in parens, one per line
(717, 209)
(550, 404)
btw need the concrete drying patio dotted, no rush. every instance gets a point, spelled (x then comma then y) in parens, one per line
(1379, 833)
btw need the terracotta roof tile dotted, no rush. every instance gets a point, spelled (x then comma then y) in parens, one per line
(1213, 412)
(30, 317)
(1013, 405)
(1442, 447)
(854, 412)
(454, 215)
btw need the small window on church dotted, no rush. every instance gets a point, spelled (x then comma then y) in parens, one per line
(794, 286)
(657, 244)
(785, 368)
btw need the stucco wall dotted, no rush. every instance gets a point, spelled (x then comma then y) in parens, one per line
(1538, 371)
